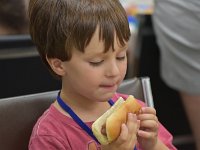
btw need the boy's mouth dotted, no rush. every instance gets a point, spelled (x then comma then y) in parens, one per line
(109, 86)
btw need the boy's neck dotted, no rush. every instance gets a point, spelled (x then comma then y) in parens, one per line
(86, 111)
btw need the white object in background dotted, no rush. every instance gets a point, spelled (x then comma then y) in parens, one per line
(147, 91)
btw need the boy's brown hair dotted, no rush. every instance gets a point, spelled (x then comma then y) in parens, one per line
(57, 26)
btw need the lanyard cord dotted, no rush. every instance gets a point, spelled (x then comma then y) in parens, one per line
(77, 119)
(111, 102)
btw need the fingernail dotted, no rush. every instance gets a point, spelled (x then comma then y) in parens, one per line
(131, 115)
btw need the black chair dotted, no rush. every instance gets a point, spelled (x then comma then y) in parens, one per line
(19, 53)
(19, 114)
(15, 41)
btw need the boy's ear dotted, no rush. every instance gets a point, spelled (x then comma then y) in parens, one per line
(56, 66)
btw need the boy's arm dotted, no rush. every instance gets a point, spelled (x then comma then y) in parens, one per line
(165, 137)
(152, 135)
(160, 146)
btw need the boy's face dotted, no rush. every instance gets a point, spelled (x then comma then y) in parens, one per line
(95, 75)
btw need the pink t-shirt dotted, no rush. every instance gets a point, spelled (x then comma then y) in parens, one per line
(55, 131)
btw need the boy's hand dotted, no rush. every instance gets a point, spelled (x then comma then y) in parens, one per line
(148, 132)
(128, 137)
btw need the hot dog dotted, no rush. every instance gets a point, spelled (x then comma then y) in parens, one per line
(113, 118)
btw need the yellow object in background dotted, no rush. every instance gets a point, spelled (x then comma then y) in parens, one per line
(138, 7)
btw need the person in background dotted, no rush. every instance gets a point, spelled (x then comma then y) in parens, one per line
(13, 17)
(84, 44)
(177, 28)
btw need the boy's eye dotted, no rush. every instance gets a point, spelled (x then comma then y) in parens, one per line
(121, 57)
(96, 63)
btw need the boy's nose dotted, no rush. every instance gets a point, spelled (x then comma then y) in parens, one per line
(112, 69)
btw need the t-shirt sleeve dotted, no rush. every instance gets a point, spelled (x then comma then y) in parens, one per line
(47, 143)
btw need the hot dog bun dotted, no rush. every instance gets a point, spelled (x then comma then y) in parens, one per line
(114, 118)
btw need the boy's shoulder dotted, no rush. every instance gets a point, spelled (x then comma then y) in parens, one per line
(49, 123)
(48, 128)
(44, 122)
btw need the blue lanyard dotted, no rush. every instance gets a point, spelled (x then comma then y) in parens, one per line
(77, 119)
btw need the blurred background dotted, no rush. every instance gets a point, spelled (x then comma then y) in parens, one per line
(22, 72)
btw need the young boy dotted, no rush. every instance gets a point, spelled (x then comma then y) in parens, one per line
(84, 43)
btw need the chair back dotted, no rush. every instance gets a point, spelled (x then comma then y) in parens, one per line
(133, 87)
(19, 114)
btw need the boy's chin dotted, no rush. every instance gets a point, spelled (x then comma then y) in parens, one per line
(107, 96)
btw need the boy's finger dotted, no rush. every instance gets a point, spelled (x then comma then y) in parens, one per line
(148, 110)
(123, 134)
(132, 123)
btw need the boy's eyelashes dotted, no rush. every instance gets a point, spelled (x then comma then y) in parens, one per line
(97, 63)
(121, 58)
